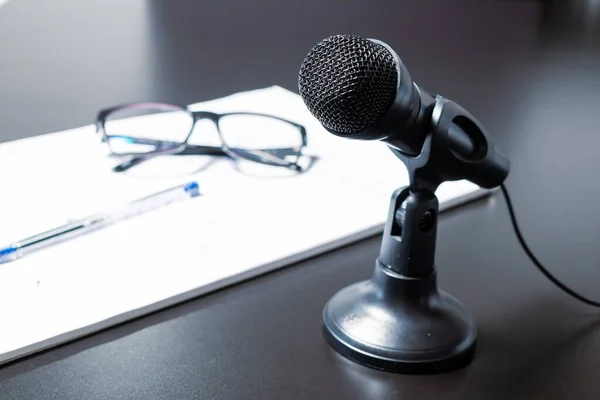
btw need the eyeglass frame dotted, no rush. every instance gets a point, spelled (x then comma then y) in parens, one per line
(184, 148)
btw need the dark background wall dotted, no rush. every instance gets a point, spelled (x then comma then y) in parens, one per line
(62, 60)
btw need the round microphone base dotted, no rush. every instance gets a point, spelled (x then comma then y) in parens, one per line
(400, 324)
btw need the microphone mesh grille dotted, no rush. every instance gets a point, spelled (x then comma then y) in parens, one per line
(348, 83)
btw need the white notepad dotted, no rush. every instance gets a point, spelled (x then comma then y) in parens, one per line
(240, 226)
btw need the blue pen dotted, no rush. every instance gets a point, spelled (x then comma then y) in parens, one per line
(93, 222)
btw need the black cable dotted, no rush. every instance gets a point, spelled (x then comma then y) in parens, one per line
(535, 261)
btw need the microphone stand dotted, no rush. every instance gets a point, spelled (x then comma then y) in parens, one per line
(399, 320)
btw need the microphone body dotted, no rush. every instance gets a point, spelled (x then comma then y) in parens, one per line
(406, 116)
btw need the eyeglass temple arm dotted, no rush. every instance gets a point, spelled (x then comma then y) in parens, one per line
(201, 150)
(207, 150)
(192, 149)
(280, 153)
(189, 150)
(130, 163)
(162, 145)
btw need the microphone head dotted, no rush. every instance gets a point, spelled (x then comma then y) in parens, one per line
(348, 83)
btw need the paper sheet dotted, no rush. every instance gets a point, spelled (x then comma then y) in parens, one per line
(239, 227)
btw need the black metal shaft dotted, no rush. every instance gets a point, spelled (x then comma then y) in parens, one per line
(408, 245)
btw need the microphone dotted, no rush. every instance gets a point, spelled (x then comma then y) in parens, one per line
(359, 89)
(399, 320)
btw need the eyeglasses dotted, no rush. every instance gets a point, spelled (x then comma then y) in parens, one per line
(146, 130)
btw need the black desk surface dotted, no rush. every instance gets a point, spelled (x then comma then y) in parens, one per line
(529, 71)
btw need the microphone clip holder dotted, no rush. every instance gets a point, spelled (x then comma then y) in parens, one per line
(399, 320)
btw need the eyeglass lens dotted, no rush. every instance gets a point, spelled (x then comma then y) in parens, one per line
(147, 128)
(261, 138)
